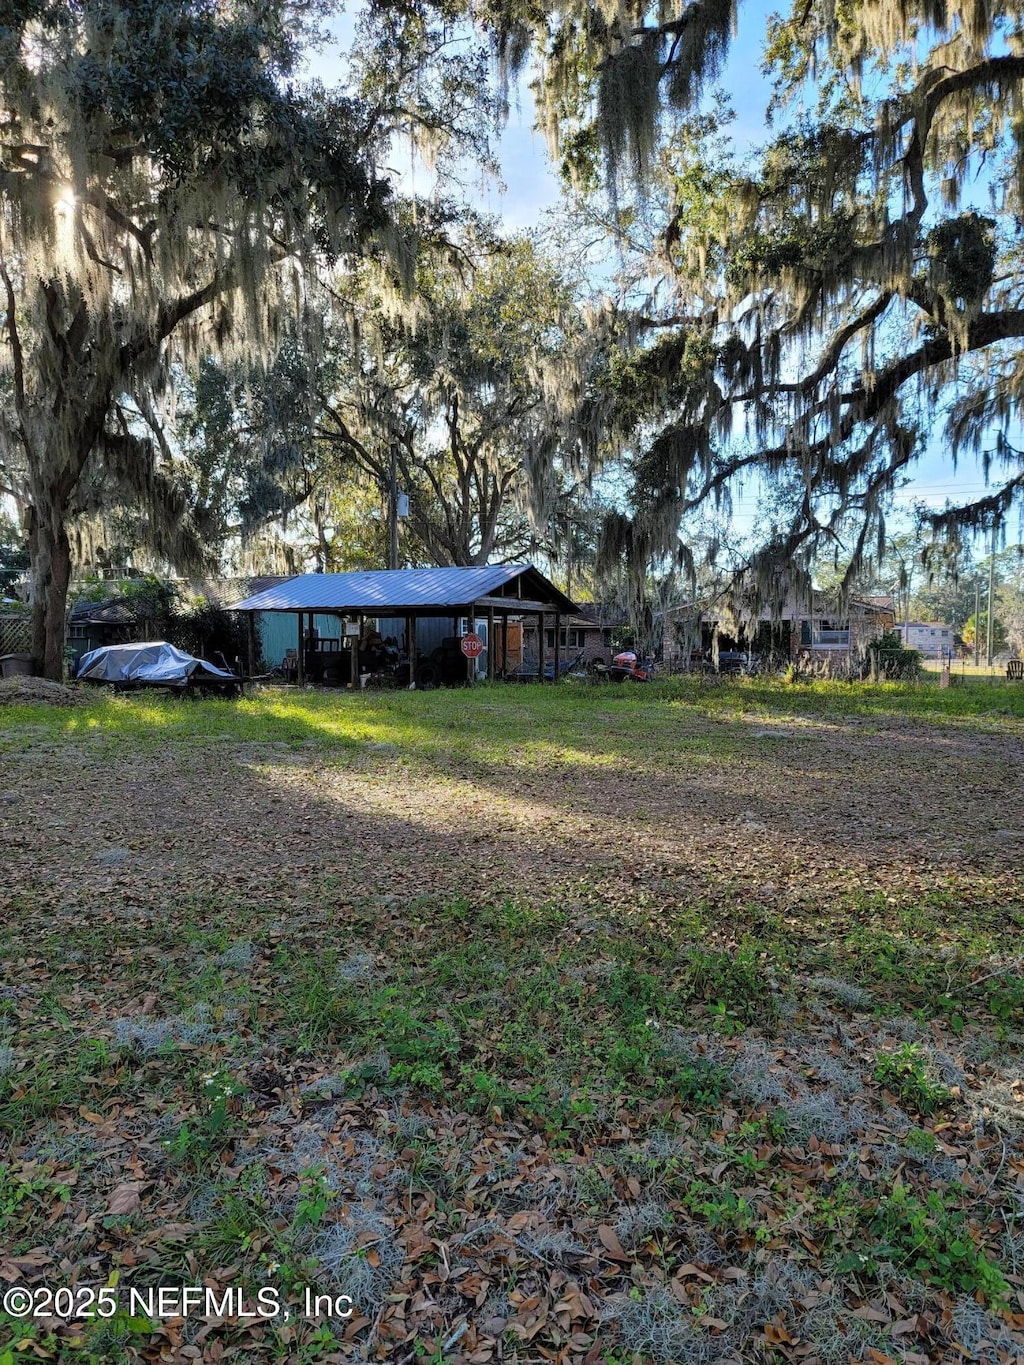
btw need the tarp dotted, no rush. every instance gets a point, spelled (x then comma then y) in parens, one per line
(154, 662)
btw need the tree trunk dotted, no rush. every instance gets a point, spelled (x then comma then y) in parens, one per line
(50, 551)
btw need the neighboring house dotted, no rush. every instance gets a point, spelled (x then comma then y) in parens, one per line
(818, 634)
(94, 624)
(587, 635)
(840, 640)
(930, 638)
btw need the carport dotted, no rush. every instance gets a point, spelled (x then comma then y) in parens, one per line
(492, 593)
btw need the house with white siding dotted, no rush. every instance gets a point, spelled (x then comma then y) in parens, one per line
(931, 639)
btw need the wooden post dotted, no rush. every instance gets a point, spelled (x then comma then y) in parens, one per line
(300, 676)
(540, 646)
(558, 642)
(490, 644)
(471, 663)
(251, 640)
(410, 646)
(504, 644)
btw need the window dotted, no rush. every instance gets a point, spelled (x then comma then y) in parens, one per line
(563, 637)
(824, 634)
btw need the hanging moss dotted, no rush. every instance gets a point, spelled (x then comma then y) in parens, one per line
(628, 107)
(962, 259)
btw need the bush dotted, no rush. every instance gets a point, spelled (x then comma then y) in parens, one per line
(14, 556)
(894, 663)
(207, 630)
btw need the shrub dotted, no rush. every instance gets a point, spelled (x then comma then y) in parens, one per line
(893, 661)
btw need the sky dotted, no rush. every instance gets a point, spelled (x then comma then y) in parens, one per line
(531, 186)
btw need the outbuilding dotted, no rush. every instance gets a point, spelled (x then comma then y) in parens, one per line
(405, 624)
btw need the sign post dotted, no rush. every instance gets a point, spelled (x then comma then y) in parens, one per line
(472, 647)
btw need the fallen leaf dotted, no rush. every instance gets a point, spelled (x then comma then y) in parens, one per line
(125, 1199)
(611, 1244)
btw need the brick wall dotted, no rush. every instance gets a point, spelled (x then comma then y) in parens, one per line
(593, 647)
(841, 661)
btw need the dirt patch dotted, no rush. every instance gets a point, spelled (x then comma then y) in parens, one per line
(31, 691)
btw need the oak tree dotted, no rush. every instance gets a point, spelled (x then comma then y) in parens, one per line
(165, 190)
(830, 309)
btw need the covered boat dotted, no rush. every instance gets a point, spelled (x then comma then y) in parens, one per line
(154, 663)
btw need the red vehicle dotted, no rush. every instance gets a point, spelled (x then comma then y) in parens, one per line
(624, 667)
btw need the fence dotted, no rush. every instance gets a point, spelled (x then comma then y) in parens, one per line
(15, 633)
(965, 670)
(893, 666)
(838, 666)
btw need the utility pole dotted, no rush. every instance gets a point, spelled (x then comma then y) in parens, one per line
(393, 510)
(568, 557)
(991, 579)
(977, 621)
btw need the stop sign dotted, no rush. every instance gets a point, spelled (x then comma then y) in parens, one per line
(472, 645)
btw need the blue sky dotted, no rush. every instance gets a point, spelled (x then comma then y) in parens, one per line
(531, 186)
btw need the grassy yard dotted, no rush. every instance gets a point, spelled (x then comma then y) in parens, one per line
(577, 1024)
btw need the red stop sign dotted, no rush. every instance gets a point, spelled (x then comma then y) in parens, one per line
(472, 645)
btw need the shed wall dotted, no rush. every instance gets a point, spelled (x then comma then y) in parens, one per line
(279, 632)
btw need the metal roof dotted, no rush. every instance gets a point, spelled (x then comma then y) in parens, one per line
(383, 591)
(109, 613)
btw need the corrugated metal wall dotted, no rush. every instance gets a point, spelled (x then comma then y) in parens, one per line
(430, 632)
(279, 631)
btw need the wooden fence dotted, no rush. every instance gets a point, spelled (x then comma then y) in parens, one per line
(15, 633)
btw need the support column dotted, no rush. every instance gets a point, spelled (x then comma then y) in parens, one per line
(410, 647)
(540, 647)
(250, 618)
(300, 676)
(504, 644)
(558, 642)
(490, 644)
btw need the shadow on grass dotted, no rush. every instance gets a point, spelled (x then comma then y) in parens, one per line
(602, 799)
